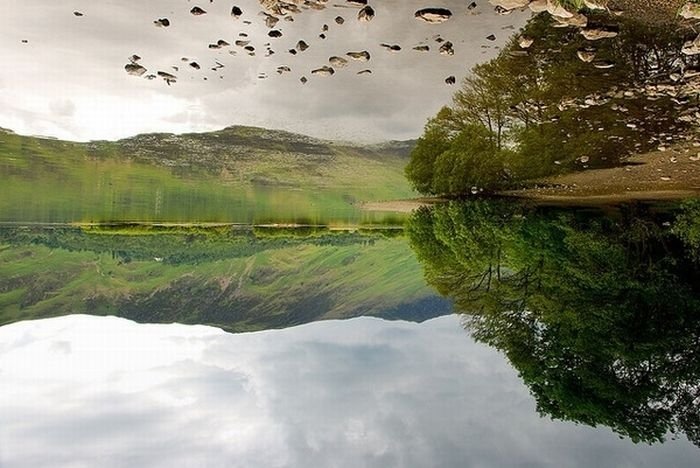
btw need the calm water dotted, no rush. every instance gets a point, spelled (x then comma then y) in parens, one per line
(219, 297)
(569, 340)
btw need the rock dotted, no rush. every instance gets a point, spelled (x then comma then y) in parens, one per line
(433, 15)
(447, 49)
(450, 80)
(274, 33)
(491, 37)
(338, 62)
(77, 13)
(236, 12)
(364, 72)
(366, 14)
(283, 69)
(323, 71)
(162, 22)
(690, 11)
(538, 6)
(586, 55)
(169, 78)
(576, 20)
(195, 65)
(134, 69)
(270, 20)
(591, 5)
(596, 34)
(556, 9)
(303, 80)
(196, 11)
(692, 47)
(360, 56)
(339, 20)
(358, 3)
(302, 46)
(391, 47)
(603, 64)
(509, 4)
(525, 42)
(471, 6)
(422, 48)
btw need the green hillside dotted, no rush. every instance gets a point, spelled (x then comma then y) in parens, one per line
(237, 279)
(238, 174)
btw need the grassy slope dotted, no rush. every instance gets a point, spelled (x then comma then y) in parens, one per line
(239, 174)
(239, 283)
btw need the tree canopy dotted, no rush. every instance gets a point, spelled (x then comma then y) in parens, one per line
(540, 111)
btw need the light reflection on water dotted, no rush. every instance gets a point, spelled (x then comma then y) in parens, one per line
(363, 392)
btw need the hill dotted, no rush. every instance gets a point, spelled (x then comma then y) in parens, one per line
(238, 174)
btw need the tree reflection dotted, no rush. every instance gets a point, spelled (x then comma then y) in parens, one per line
(599, 311)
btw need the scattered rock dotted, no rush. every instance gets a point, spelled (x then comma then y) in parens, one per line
(690, 10)
(447, 49)
(509, 4)
(366, 14)
(134, 69)
(323, 71)
(596, 34)
(525, 42)
(391, 47)
(360, 56)
(338, 62)
(433, 15)
(586, 55)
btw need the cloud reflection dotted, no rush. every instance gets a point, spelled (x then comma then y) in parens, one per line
(90, 391)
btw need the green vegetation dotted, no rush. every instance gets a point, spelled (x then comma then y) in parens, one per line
(234, 278)
(599, 311)
(540, 111)
(239, 174)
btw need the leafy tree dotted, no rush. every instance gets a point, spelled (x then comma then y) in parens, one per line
(544, 111)
(598, 312)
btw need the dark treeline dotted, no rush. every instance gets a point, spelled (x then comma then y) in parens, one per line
(599, 312)
(544, 110)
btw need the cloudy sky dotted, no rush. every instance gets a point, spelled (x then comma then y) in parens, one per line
(68, 79)
(102, 391)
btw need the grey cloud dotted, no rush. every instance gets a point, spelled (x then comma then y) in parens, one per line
(351, 393)
(81, 60)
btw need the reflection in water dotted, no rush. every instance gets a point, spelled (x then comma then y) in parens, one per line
(598, 311)
(236, 278)
(359, 393)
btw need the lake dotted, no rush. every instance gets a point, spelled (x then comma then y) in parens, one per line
(483, 333)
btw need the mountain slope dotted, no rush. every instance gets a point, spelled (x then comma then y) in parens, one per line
(238, 174)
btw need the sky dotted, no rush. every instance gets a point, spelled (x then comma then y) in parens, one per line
(103, 391)
(68, 80)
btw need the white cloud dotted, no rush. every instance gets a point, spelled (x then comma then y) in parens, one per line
(91, 391)
(80, 60)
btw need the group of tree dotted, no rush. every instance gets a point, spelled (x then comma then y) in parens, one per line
(513, 120)
(598, 312)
